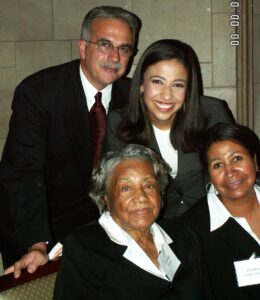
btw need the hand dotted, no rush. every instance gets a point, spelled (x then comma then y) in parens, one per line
(36, 256)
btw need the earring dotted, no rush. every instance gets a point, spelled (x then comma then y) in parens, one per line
(183, 107)
(209, 190)
(208, 186)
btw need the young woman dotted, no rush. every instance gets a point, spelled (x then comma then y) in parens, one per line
(166, 113)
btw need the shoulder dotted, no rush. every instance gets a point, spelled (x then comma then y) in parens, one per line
(185, 241)
(90, 234)
(50, 87)
(197, 217)
(176, 229)
(52, 75)
(207, 102)
(216, 110)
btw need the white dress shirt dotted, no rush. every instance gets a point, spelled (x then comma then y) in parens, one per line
(90, 92)
(134, 252)
(168, 152)
(219, 213)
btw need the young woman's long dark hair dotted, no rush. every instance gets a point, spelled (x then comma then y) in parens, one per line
(188, 127)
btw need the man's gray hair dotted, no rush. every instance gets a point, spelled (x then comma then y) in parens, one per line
(113, 12)
(101, 175)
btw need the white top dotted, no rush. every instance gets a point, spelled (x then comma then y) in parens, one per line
(168, 152)
(90, 92)
(134, 252)
(219, 213)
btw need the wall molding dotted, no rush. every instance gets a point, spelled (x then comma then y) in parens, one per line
(244, 62)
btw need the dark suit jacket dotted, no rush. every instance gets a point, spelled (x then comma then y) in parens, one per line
(93, 267)
(47, 159)
(189, 184)
(222, 247)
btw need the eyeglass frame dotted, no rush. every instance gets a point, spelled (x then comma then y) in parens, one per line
(112, 47)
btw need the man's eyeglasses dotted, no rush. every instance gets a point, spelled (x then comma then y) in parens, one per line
(107, 48)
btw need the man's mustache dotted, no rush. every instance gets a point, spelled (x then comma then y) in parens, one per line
(115, 66)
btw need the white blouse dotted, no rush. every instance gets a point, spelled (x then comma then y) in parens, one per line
(136, 254)
(168, 152)
(219, 213)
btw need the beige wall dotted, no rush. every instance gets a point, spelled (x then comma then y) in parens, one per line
(35, 34)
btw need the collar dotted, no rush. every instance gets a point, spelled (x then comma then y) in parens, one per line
(160, 131)
(134, 252)
(121, 237)
(90, 92)
(217, 210)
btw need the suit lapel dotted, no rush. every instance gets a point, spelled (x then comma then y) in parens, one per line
(154, 145)
(80, 97)
(79, 110)
(118, 98)
(188, 162)
(115, 98)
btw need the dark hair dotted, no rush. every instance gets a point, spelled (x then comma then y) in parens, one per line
(236, 133)
(188, 126)
(101, 174)
(113, 12)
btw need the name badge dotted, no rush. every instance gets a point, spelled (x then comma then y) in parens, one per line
(169, 262)
(248, 271)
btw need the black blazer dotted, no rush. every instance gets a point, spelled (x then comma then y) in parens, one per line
(222, 247)
(190, 182)
(47, 159)
(93, 267)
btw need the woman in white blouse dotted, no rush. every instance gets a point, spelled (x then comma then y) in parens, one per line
(126, 254)
(228, 220)
(167, 113)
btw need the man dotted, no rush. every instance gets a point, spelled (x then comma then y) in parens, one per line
(48, 156)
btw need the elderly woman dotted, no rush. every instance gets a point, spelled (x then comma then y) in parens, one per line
(126, 254)
(228, 220)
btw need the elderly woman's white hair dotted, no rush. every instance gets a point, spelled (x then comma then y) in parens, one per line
(100, 175)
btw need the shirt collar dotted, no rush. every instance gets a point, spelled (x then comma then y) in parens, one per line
(134, 252)
(120, 236)
(160, 131)
(90, 92)
(219, 214)
(113, 230)
(160, 236)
